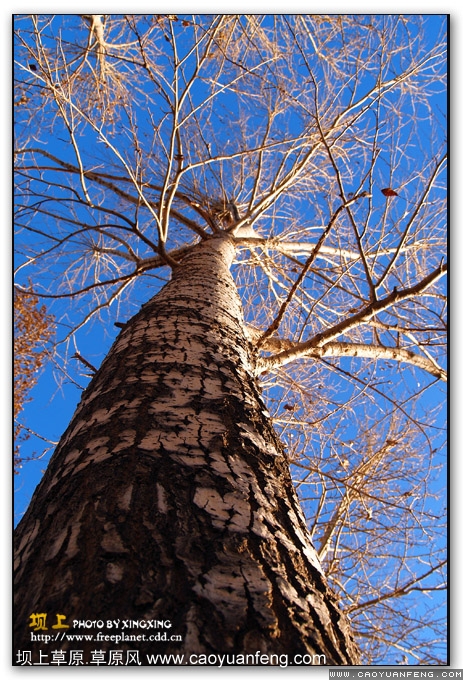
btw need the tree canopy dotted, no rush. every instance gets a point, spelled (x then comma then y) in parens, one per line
(138, 136)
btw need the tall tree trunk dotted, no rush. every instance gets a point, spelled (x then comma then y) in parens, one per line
(169, 497)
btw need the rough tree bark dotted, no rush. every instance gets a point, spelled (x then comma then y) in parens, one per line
(169, 496)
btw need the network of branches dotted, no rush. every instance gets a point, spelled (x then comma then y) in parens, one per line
(138, 136)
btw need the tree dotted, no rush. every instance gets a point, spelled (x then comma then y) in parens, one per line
(33, 328)
(193, 517)
(314, 147)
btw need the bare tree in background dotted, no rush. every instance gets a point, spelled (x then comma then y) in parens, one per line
(307, 153)
(33, 329)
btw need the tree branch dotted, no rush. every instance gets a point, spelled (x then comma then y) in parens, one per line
(322, 344)
(401, 590)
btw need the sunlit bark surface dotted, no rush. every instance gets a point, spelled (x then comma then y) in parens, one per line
(169, 496)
